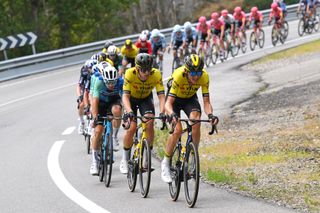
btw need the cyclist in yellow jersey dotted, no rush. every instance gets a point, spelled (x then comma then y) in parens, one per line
(128, 51)
(186, 81)
(139, 82)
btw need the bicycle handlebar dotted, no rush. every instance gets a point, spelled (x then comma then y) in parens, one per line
(195, 121)
(144, 119)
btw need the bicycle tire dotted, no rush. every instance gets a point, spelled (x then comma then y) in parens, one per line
(132, 170)
(101, 166)
(317, 23)
(214, 53)
(88, 143)
(208, 56)
(145, 168)
(191, 174)
(108, 161)
(261, 38)
(175, 64)
(253, 41)
(286, 29)
(244, 43)
(301, 27)
(236, 47)
(226, 51)
(175, 169)
(274, 36)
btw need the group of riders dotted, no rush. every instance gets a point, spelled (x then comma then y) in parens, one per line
(108, 86)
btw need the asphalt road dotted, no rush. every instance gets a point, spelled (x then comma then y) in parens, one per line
(44, 167)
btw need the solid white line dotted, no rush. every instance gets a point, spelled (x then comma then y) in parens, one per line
(36, 94)
(69, 130)
(63, 184)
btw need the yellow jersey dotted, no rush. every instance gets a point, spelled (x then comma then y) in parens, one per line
(129, 53)
(142, 89)
(181, 88)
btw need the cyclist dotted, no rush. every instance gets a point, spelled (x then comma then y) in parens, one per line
(158, 44)
(128, 51)
(276, 12)
(143, 44)
(106, 46)
(116, 58)
(191, 36)
(147, 33)
(186, 81)
(257, 18)
(106, 100)
(229, 23)
(203, 28)
(177, 39)
(138, 85)
(217, 28)
(84, 77)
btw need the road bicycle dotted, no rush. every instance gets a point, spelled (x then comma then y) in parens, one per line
(87, 132)
(178, 59)
(216, 50)
(279, 32)
(241, 40)
(140, 156)
(257, 38)
(157, 63)
(106, 158)
(185, 165)
(229, 45)
(307, 24)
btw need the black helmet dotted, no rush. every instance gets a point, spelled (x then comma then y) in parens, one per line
(144, 61)
(107, 44)
(193, 63)
(102, 56)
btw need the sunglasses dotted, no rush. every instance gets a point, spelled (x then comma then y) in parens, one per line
(195, 73)
(144, 70)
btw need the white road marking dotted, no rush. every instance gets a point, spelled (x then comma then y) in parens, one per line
(35, 94)
(64, 185)
(69, 130)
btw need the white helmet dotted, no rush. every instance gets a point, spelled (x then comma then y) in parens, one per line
(177, 28)
(146, 32)
(95, 56)
(143, 37)
(187, 26)
(112, 50)
(155, 33)
(109, 75)
(90, 63)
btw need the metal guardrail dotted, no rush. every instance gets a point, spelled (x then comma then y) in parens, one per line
(96, 46)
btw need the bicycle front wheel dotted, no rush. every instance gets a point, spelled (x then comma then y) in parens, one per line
(261, 38)
(301, 27)
(214, 53)
(244, 43)
(316, 23)
(175, 168)
(253, 41)
(145, 168)
(132, 170)
(88, 143)
(191, 176)
(175, 63)
(108, 162)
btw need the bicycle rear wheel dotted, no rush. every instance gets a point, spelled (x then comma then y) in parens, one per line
(145, 168)
(191, 176)
(261, 38)
(175, 168)
(132, 170)
(108, 162)
(253, 41)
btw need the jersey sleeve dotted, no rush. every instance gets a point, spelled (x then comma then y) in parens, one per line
(127, 83)
(96, 88)
(175, 85)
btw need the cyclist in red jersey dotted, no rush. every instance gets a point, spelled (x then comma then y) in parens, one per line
(257, 17)
(143, 44)
(240, 18)
(276, 12)
(217, 28)
(203, 28)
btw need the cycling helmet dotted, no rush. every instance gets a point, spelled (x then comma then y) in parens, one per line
(128, 42)
(193, 63)
(143, 37)
(177, 28)
(90, 63)
(144, 61)
(274, 5)
(155, 33)
(187, 26)
(107, 44)
(224, 13)
(202, 19)
(109, 74)
(237, 9)
(112, 50)
(95, 56)
(146, 32)
(214, 16)
(254, 10)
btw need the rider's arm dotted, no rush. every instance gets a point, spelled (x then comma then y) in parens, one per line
(205, 93)
(222, 32)
(207, 105)
(169, 105)
(126, 93)
(94, 109)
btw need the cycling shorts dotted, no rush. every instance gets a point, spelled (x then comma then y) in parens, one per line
(217, 32)
(145, 106)
(104, 108)
(156, 49)
(177, 44)
(204, 37)
(188, 105)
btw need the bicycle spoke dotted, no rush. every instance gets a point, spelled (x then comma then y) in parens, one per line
(145, 168)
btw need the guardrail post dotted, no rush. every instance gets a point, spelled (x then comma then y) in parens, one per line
(5, 55)
(33, 49)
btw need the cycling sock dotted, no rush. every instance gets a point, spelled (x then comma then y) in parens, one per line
(166, 160)
(115, 132)
(125, 154)
(94, 156)
(81, 119)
